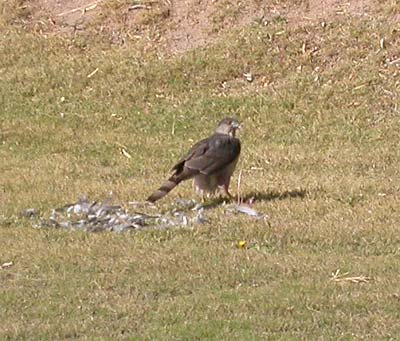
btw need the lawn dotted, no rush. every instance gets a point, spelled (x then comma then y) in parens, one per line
(320, 155)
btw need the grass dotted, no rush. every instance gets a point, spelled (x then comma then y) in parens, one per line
(320, 118)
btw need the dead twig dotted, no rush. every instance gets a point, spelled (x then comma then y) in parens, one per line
(6, 265)
(396, 61)
(81, 9)
(337, 277)
(93, 73)
(134, 7)
(239, 193)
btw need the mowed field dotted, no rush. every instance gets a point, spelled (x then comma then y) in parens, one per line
(320, 154)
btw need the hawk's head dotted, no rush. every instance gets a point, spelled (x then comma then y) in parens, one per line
(228, 126)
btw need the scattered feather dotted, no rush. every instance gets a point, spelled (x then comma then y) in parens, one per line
(96, 216)
(187, 204)
(248, 76)
(28, 213)
(246, 210)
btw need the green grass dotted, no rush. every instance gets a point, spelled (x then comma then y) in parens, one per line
(321, 120)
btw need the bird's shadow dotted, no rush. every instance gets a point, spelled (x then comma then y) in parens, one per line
(258, 196)
(274, 195)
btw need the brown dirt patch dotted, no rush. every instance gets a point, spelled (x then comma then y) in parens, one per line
(179, 25)
(196, 22)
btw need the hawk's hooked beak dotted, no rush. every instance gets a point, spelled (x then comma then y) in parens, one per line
(236, 125)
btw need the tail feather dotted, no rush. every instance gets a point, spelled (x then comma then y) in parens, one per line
(168, 186)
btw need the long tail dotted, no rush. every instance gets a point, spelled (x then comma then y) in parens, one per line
(168, 186)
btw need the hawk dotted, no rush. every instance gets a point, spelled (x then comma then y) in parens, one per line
(210, 163)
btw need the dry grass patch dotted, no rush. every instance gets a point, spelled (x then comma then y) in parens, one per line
(320, 119)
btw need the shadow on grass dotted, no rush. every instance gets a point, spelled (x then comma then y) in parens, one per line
(274, 195)
(254, 197)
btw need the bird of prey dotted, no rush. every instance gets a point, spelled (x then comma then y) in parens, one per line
(210, 163)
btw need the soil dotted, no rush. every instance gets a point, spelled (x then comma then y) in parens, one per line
(179, 24)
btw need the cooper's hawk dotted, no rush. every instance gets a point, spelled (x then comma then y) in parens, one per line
(210, 162)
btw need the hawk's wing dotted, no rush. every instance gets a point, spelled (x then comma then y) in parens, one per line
(210, 155)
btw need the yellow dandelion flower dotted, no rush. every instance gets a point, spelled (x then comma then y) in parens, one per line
(241, 244)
